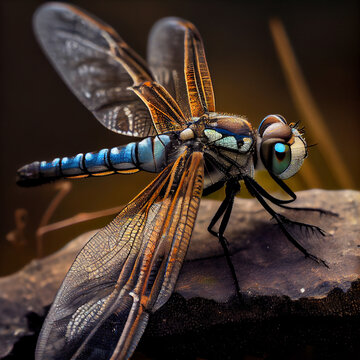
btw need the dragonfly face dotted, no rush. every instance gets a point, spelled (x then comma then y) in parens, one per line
(129, 268)
(282, 149)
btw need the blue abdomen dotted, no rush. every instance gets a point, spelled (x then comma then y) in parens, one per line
(149, 154)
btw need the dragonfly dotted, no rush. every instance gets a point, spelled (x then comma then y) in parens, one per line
(129, 268)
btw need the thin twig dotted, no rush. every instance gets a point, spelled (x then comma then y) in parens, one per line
(76, 219)
(306, 105)
(17, 236)
(64, 188)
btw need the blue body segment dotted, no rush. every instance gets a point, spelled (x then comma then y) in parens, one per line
(95, 162)
(69, 165)
(149, 154)
(50, 168)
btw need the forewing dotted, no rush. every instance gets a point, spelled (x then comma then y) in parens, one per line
(165, 112)
(126, 270)
(177, 59)
(97, 65)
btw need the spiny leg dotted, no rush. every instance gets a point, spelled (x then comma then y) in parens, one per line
(261, 192)
(281, 203)
(313, 228)
(320, 211)
(232, 188)
(280, 219)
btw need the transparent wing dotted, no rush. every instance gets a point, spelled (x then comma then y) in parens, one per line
(177, 59)
(97, 65)
(126, 270)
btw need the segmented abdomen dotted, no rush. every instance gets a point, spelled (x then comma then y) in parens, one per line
(148, 154)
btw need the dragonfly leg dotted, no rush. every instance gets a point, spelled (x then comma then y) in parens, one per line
(224, 211)
(320, 211)
(282, 220)
(313, 228)
(281, 203)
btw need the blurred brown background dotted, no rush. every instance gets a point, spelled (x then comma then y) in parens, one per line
(41, 119)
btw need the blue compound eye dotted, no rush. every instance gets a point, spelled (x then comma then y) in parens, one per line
(281, 158)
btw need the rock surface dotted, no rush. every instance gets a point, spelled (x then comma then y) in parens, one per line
(292, 304)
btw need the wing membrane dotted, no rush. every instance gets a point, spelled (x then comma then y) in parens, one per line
(126, 270)
(97, 65)
(176, 57)
(165, 112)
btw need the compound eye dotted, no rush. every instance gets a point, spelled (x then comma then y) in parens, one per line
(281, 158)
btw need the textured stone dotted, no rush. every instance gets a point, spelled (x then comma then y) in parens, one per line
(290, 302)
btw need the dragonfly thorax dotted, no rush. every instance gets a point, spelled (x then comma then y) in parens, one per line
(229, 132)
(228, 142)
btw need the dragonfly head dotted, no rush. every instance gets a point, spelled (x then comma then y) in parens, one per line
(281, 147)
